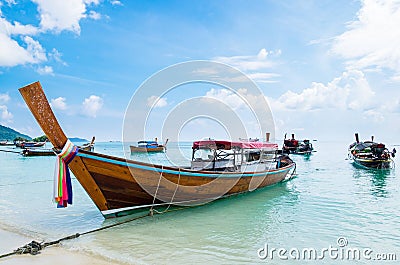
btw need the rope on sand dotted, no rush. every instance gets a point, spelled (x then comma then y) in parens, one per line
(35, 247)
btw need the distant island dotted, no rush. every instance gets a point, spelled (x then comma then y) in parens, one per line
(76, 139)
(9, 134)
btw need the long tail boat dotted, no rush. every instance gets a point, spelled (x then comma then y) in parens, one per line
(118, 186)
(369, 154)
(148, 147)
(293, 146)
(29, 144)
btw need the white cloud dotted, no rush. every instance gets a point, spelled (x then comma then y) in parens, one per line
(226, 96)
(349, 91)
(92, 105)
(6, 116)
(59, 15)
(94, 15)
(263, 77)
(116, 3)
(56, 56)
(4, 98)
(12, 54)
(373, 39)
(250, 62)
(59, 103)
(56, 16)
(36, 50)
(10, 2)
(374, 115)
(156, 102)
(45, 70)
(16, 28)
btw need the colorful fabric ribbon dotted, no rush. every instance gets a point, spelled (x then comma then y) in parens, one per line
(62, 179)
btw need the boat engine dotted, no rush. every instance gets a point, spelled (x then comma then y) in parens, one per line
(379, 150)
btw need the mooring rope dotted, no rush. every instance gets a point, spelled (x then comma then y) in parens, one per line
(151, 211)
(9, 151)
(35, 247)
(173, 195)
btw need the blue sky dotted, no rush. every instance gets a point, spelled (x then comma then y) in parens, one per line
(327, 68)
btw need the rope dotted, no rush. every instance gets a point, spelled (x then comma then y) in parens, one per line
(9, 151)
(293, 173)
(35, 247)
(173, 195)
(155, 194)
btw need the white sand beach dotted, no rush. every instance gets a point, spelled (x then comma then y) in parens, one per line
(50, 255)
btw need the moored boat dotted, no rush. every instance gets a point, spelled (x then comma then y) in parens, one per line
(6, 142)
(148, 146)
(119, 186)
(293, 146)
(29, 144)
(54, 151)
(38, 152)
(370, 154)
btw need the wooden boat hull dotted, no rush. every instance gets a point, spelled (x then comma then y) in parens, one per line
(29, 145)
(38, 152)
(135, 149)
(124, 185)
(373, 163)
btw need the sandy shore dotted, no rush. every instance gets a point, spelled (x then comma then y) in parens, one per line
(49, 256)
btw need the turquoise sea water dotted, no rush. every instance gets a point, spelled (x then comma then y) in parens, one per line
(329, 199)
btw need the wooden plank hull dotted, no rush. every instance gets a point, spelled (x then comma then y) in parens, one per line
(126, 185)
(38, 152)
(373, 163)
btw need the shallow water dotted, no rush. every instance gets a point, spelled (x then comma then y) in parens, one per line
(328, 199)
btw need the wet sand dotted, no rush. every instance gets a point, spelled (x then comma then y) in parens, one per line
(49, 256)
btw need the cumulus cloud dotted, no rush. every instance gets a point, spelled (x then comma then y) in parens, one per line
(59, 103)
(60, 15)
(13, 53)
(55, 16)
(16, 28)
(92, 105)
(45, 70)
(226, 96)
(349, 91)
(6, 116)
(373, 38)
(94, 15)
(156, 102)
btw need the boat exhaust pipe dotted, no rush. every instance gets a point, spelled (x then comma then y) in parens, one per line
(372, 138)
(357, 139)
(267, 136)
(292, 136)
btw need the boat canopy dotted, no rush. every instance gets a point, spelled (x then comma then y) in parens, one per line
(148, 142)
(364, 145)
(228, 145)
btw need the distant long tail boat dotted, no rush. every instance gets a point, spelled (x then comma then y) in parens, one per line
(369, 154)
(119, 186)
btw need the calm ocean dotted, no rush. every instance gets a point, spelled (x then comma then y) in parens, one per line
(329, 205)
